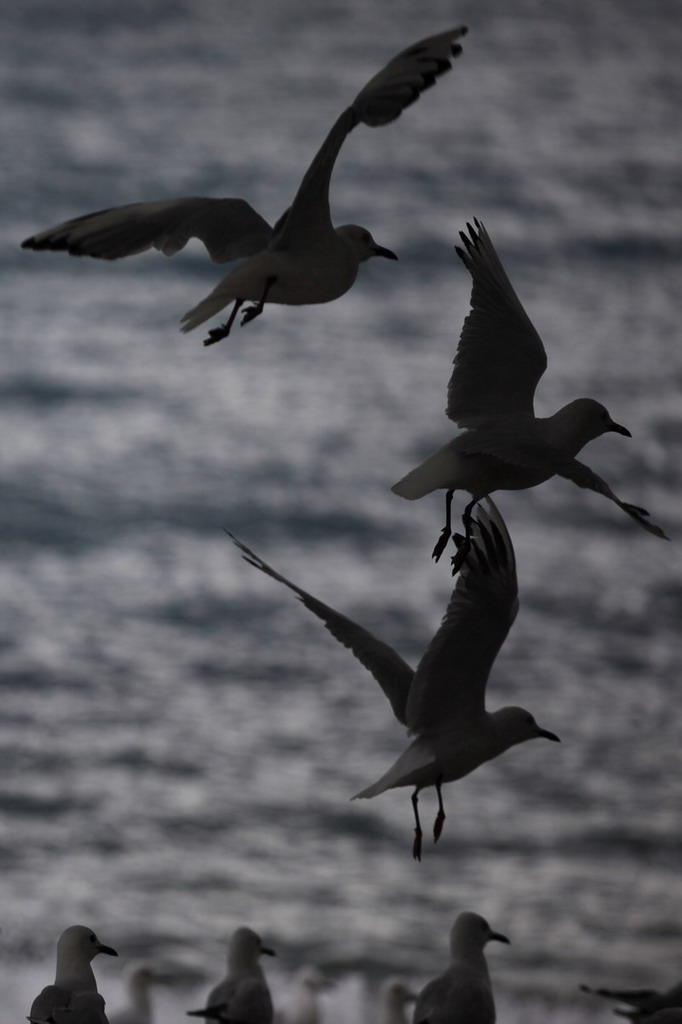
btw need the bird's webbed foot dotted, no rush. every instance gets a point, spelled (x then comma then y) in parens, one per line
(218, 333)
(441, 543)
(463, 543)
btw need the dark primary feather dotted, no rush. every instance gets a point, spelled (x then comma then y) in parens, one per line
(391, 90)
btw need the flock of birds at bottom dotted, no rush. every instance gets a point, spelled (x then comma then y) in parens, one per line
(461, 994)
(500, 359)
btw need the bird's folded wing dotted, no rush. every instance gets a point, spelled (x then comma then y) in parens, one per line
(393, 675)
(450, 680)
(52, 997)
(251, 1003)
(517, 440)
(56, 1006)
(500, 357)
(229, 228)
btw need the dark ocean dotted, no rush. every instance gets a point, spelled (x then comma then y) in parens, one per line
(179, 736)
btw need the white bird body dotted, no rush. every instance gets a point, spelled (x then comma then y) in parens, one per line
(304, 1006)
(395, 995)
(463, 993)
(73, 997)
(452, 753)
(305, 276)
(139, 1011)
(304, 258)
(499, 362)
(442, 703)
(243, 996)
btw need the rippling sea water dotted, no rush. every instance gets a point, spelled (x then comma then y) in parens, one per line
(179, 738)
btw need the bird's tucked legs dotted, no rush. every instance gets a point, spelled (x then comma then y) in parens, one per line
(446, 532)
(440, 817)
(464, 546)
(417, 844)
(218, 333)
(253, 311)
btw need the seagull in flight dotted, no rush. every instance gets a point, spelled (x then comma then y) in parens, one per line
(302, 259)
(499, 362)
(442, 703)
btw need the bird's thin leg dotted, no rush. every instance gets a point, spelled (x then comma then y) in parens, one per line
(446, 532)
(218, 333)
(253, 311)
(417, 844)
(465, 546)
(440, 817)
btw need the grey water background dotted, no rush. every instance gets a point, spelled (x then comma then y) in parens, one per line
(179, 737)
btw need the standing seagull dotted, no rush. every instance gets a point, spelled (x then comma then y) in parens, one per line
(303, 259)
(243, 996)
(73, 997)
(462, 994)
(500, 359)
(443, 702)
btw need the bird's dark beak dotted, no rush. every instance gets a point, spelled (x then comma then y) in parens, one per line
(499, 937)
(379, 250)
(267, 951)
(547, 735)
(620, 430)
(106, 949)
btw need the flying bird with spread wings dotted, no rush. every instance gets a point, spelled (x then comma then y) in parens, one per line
(499, 362)
(303, 259)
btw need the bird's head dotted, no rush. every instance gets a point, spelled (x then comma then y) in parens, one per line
(581, 421)
(516, 725)
(362, 244)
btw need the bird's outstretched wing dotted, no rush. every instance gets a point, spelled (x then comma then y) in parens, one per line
(393, 675)
(229, 228)
(402, 81)
(399, 84)
(583, 476)
(450, 680)
(500, 357)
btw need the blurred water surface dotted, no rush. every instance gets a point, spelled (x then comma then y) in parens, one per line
(179, 737)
